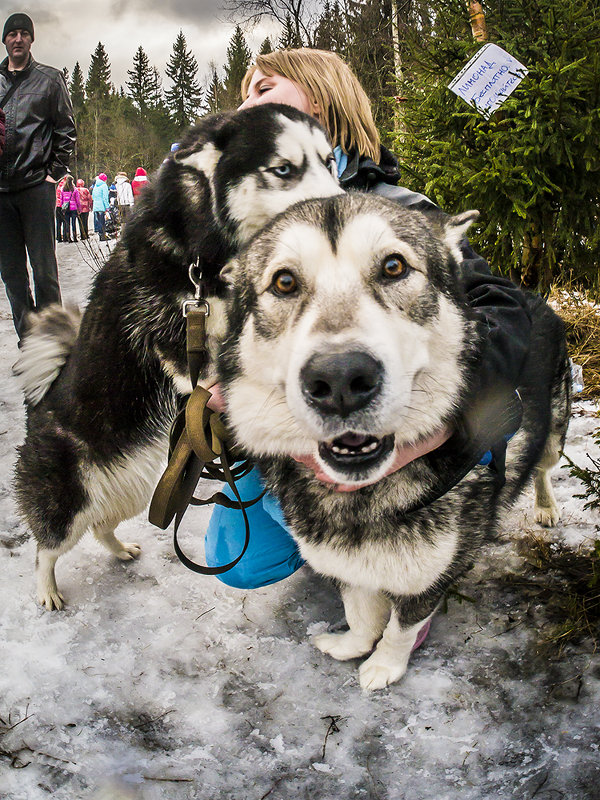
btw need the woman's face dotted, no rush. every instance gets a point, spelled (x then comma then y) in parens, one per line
(277, 89)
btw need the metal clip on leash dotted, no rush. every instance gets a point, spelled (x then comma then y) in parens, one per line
(197, 438)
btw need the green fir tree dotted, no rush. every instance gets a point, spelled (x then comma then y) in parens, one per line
(98, 86)
(239, 56)
(77, 89)
(290, 35)
(215, 94)
(532, 167)
(184, 98)
(266, 47)
(331, 29)
(140, 80)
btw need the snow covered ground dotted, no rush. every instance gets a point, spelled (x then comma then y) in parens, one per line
(159, 683)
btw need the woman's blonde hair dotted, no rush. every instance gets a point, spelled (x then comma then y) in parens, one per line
(345, 110)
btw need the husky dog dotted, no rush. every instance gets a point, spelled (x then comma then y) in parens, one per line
(102, 391)
(349, 344)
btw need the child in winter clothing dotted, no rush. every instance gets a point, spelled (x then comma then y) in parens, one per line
(71, 206)
(101, 204)
(86, 207)
(124, 195)
(138, 183)
(60, 217)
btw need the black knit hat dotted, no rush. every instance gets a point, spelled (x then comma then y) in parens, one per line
(17, 22)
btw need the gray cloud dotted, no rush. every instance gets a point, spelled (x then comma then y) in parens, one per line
(68, 31)
(180, 10)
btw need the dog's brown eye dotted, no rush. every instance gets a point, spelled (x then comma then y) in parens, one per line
(394, 267)
(284, 282)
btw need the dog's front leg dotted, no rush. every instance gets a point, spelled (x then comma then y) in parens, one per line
(367, 613)
(389, 661)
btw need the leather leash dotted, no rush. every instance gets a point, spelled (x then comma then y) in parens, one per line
(198, 438)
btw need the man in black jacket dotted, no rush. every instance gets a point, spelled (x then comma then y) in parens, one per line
(39, 140)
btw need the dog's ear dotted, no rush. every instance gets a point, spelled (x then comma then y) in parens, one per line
(456, 227)
(201, 148)
(229, 272)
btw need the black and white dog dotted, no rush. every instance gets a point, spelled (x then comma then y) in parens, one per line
(348, 346)
(102, 390)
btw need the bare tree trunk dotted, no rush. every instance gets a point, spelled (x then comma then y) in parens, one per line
(477, 18)
(399, 126)
(96, 125)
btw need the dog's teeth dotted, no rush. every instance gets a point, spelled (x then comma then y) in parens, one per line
(345, 451)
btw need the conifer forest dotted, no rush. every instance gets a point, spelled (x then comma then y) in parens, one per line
(531, 168)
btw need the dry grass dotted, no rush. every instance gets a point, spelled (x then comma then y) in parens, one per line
(582, 319)
(567, 584)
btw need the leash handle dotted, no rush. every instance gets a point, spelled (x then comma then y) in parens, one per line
(201, 568)
(197, 437)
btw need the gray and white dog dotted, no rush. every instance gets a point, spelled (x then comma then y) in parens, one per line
(349, 344)
(101, 391)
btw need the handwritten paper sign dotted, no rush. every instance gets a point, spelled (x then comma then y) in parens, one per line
(488, 79)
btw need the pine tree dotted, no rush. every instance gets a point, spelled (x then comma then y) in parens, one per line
(77, 89)
(369, 53)
(238, 61)
(140, 81)
(266, 47)
(184, 98)
(330, 33)
(98, 86)
(155, 91)
(290, 35)
(215, 93)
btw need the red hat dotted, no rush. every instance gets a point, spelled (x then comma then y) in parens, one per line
(80, 182)
(102, 176)
(139, 172)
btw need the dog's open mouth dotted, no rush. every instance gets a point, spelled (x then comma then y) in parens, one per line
(355, 451)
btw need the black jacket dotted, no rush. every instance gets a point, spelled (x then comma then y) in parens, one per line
(493, 410)
(40, 131)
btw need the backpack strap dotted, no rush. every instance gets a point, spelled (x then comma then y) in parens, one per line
(9, 94)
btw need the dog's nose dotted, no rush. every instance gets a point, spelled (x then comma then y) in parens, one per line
(340, 383)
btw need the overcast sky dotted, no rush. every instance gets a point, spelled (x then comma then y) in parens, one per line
(67, 31)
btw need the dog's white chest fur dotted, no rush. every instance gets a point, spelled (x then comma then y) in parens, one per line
(400, 568)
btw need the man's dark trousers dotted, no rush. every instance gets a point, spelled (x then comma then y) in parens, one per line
(27, 227)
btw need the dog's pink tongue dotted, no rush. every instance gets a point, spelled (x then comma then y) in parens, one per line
(403, 455)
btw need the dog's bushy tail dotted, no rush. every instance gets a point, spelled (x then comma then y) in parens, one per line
(45, 349)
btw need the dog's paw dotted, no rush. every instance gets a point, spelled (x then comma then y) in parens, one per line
(379, 671)
(51, 599)
(547, 516)
(342, 646)
(129, 551)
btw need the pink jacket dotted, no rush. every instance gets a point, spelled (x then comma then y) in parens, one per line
(86, 199)
(73, 198)
(59, 188)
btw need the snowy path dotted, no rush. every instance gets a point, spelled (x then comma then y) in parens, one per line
(158, 683)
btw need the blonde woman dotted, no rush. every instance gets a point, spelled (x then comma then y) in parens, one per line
(319, 83)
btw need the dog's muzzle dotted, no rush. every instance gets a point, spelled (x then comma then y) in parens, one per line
(338, 386)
